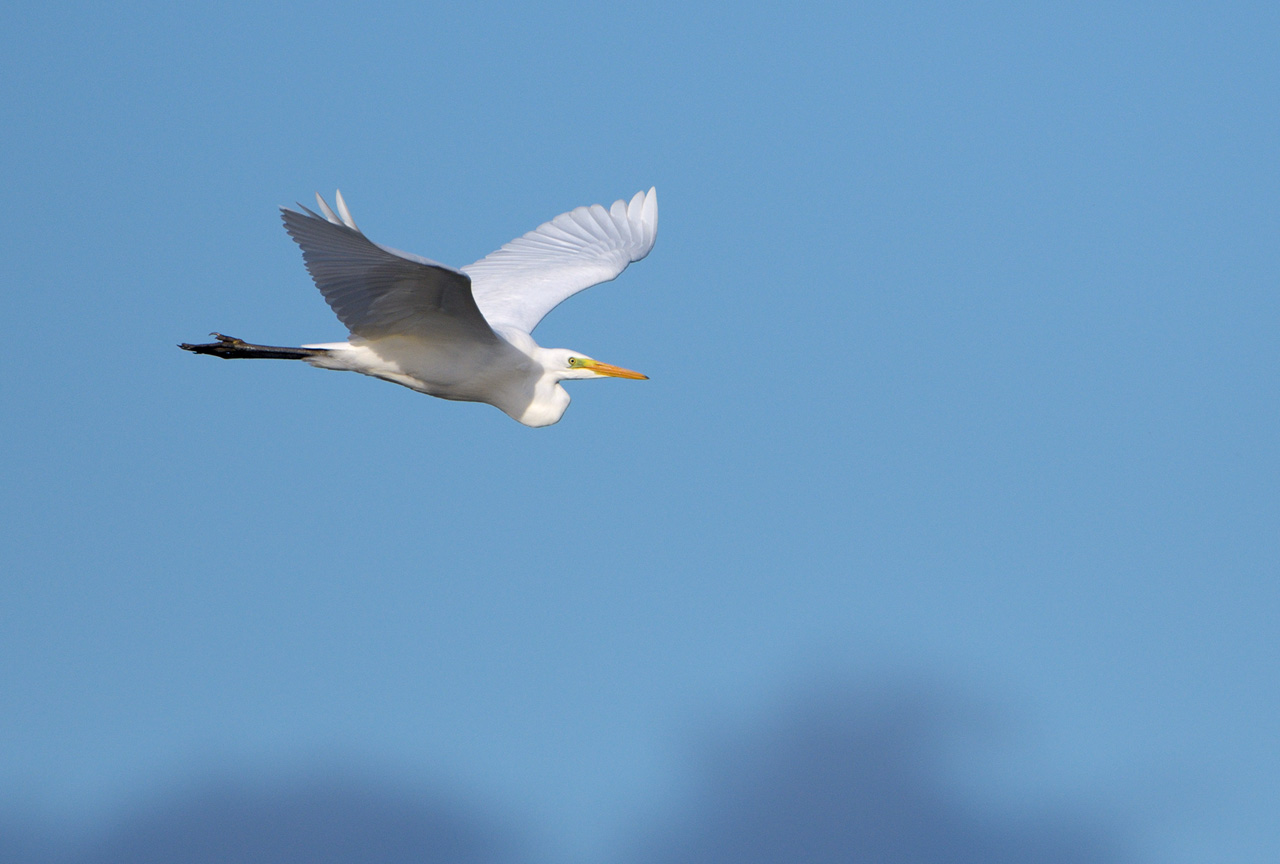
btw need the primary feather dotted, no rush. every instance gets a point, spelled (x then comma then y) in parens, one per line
(517, 285)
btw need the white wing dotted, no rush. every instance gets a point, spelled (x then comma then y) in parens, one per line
(378, 291)
(524, 280)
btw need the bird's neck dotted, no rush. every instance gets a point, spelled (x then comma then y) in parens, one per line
(548, 405)
(536, 399)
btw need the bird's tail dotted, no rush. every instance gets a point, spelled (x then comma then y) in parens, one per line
(228, 347)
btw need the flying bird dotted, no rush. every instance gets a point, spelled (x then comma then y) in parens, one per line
(461, 334)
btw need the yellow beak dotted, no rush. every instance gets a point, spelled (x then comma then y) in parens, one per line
(613, 371)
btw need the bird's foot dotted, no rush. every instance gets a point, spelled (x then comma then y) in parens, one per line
(226, 346)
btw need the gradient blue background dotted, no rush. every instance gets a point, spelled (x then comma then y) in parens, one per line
(953, 493)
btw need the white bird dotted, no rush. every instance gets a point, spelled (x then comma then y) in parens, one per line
(462, 334)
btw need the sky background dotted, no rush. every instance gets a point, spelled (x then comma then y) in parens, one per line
(946, 528)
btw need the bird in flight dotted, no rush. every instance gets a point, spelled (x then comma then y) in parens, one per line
(461, 334)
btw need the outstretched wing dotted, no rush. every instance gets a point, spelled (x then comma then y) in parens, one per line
(378, 291)
(524, 280)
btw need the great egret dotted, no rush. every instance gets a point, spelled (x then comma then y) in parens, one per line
(462, 334)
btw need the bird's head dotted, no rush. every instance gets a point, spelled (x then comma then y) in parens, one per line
(566, 364)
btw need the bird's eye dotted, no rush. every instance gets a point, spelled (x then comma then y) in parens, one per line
(573, 361)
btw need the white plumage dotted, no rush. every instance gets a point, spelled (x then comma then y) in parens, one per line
(462, 334)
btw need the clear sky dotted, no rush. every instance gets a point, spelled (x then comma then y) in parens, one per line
(958, 461)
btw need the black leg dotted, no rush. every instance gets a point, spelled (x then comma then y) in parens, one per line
(229, 347)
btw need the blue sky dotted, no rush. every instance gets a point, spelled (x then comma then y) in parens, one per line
(961, 328)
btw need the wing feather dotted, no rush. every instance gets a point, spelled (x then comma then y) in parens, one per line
(343, 212)
(520, 283)
(325, 209)
(377, 291)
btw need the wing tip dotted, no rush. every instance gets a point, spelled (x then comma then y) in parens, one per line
(645, 206)
(329, 215)
(344, 212)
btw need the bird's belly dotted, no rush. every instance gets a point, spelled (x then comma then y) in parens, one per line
(465, 373)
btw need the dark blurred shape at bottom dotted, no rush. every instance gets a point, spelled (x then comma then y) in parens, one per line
(852, 775)
(858, 777)
(325, 818)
